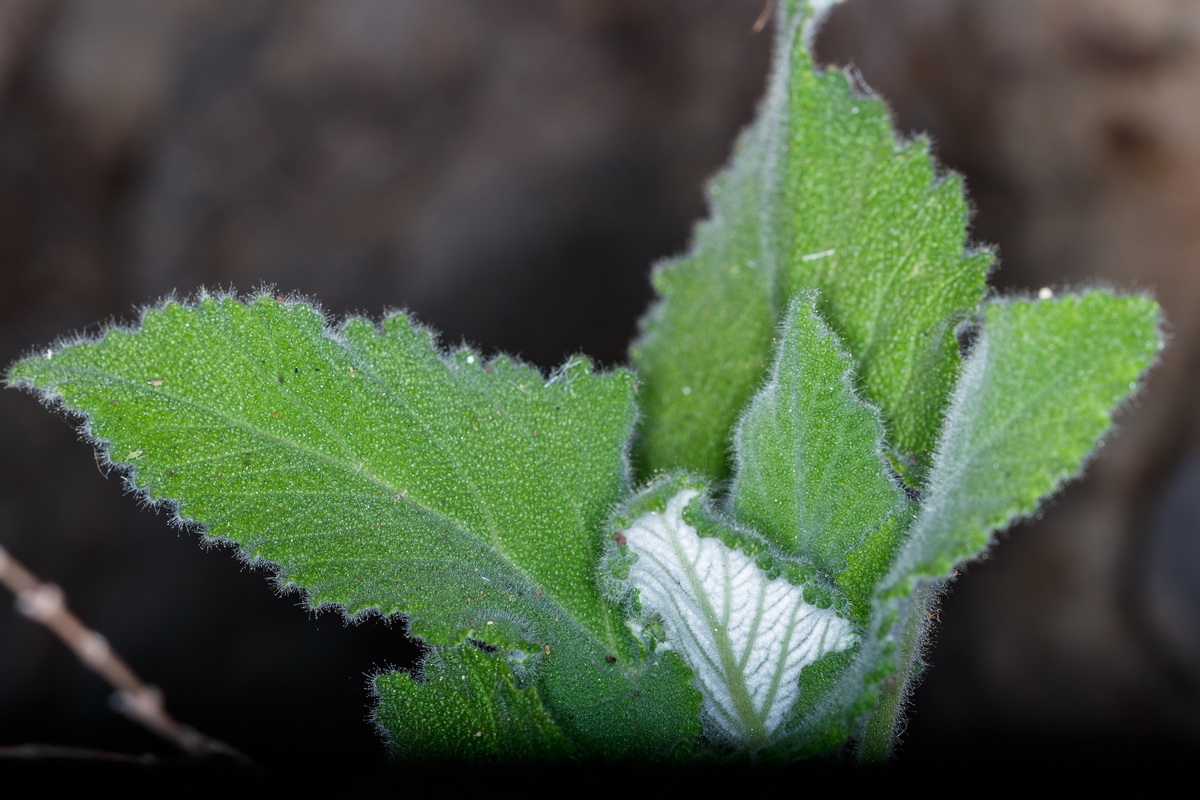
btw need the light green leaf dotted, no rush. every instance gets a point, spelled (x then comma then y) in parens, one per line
(866, 219)
(810, 476)
(820, 195)
(374, 472)
(466, 707)
(378, 474)
(1036, 395)
(746, 636)
(705, 344)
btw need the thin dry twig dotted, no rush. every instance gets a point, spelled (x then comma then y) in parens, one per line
(44, 603)
(764, 17)
(41, 752)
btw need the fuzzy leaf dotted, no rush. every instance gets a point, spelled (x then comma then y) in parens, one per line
(467, 707)
(810, 476)
(746, 636)
(866, 219)
(376, 473)
(1037, 393)
(705, 344)
(820, 195)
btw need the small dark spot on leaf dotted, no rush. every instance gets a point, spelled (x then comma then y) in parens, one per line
(281, 379)
(610, 659)
(620, 539)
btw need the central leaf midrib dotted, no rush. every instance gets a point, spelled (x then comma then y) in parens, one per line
(751, 721)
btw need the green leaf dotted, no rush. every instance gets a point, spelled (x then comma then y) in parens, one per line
(467, 707)
(820, 195)
(621, 706)
(866, 219)
(705, 344)
(374, 472)
(378, 474)
(1036, 395)
(810, 476)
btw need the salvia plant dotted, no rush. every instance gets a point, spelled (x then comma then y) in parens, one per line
(727, 551)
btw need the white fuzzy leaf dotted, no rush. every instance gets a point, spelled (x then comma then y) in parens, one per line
(746, 637)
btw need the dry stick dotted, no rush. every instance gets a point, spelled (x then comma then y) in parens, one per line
(31, 752)
(764, 17)
(44, 603)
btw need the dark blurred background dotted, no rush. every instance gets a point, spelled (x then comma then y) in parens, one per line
(509, 171)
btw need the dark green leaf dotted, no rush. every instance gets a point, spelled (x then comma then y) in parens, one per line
(467, 706)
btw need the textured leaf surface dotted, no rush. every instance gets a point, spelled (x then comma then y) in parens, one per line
(705, 344)
(866, 219)
(747, 637)
(374, 472)
(820, 195)
(378, 473)
(1037, 393)
(810, 475)
(467, 707)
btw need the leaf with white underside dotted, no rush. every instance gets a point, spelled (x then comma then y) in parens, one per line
(810, 472)
(746, 637)
(378, 473)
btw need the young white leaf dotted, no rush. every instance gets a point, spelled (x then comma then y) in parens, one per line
(745, 636)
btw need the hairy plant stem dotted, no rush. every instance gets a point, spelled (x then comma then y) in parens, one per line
(880, 732)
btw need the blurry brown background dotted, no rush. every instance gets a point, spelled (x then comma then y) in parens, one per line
(508, 171)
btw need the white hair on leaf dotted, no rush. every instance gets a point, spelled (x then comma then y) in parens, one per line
(746, 637)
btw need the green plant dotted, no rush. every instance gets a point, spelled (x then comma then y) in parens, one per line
(729, 550)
